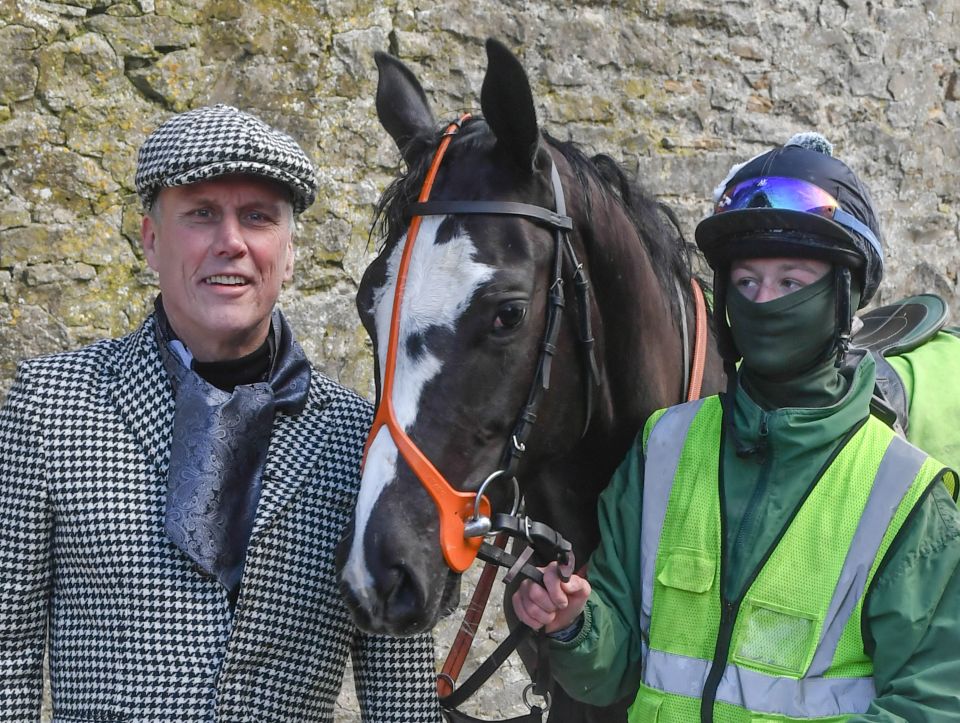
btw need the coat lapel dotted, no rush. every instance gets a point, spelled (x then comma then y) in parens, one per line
(293, 457)
(142, 394)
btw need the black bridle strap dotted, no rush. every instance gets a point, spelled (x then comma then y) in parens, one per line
(501, 558)
(517, 444)
(582, 286)
(553, 219)
(487, 668)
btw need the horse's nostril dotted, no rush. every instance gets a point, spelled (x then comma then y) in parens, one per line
(404, 596)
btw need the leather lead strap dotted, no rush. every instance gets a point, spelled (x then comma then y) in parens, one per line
(463, 641)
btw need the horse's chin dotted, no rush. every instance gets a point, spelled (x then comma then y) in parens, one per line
(444, 606)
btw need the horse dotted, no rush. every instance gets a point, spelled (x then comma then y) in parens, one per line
(470, 333)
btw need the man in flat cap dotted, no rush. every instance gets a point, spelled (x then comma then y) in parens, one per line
(170, 501)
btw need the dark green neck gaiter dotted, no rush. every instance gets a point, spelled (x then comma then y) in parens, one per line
(787, 346)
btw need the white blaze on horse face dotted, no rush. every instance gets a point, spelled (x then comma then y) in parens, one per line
(441, 281)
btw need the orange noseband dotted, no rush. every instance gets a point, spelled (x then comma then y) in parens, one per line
(454, 507)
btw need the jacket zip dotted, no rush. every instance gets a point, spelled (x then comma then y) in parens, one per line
(728, 616)
(729, 609)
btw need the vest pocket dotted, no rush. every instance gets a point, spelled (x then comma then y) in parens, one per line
(688, 569)
(685, 590)
(646, 706)
(775, 638)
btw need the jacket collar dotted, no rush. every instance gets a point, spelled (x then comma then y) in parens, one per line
(143, 396)
(293, 457)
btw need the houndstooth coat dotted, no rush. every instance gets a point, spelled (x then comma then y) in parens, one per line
(136, 632)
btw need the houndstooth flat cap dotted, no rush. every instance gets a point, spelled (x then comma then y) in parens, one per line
(217, 140)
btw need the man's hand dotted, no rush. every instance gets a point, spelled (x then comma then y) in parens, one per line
(553, 605)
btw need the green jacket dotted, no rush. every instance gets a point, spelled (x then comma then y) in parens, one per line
(912, 612)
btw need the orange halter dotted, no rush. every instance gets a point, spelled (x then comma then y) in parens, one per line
(454, 507)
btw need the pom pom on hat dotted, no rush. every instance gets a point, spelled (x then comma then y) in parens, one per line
(734, 169)
(812, 141)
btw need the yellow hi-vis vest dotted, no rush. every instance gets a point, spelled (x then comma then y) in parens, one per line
(790, 649)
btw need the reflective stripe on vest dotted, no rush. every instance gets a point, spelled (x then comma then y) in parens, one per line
(812, 695)
(900, 465)
(759, 692)
(662, 459)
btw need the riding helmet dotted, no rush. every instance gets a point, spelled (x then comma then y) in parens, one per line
(796, 200)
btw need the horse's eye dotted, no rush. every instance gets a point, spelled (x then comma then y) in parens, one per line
(510, 315)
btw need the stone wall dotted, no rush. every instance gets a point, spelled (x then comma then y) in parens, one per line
(677, 90)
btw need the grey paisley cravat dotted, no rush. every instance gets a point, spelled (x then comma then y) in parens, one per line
(219, 447)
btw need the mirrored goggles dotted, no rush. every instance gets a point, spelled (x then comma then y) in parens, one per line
(792, 194)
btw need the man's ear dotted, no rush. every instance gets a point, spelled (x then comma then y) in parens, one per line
(148, 240)
(288, 267)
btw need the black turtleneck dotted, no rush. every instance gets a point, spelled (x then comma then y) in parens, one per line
(232, 373)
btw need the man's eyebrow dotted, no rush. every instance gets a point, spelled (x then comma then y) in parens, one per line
(200, 201)
(264, 203)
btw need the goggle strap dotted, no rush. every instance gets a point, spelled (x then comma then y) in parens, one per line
(855, 224)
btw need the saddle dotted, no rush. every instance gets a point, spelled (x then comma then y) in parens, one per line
(891, 330)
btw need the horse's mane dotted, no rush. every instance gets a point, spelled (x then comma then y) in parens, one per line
(655, 223)
(657, 226)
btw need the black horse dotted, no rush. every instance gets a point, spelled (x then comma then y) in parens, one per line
(471, 327)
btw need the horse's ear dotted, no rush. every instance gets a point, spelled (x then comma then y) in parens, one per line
(507, 104)
(401, 104)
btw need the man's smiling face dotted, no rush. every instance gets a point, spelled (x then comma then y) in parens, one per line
(222, 249)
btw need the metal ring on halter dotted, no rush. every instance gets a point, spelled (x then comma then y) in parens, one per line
(546, 698)
(483, 487)
(448, 679)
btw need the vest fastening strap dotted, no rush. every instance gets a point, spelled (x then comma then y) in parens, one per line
(900, 465)
(749, 689)
(662, 459)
